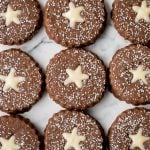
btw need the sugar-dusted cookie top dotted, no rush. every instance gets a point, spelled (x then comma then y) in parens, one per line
(20, 81)
(131, 130)
(74, 23)
(76, 78)
(73, 130)
(130, 74)
(17, 133)
(132, 20)
(19, 20)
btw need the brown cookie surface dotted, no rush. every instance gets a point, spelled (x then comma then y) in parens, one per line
(73, 130)
(74, 23)
(76, 79)
(18, 133)
(130, 74)
(132, 20)
(20, 81)
(19, 20)
(131, 130)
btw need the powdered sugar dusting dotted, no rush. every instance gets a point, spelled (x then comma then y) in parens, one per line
(128, 123)
(124, 20)
(70, 95)
(29, 90)
(59, 29)
(29, 20)
(25, 137)
(65, 122)
(124, 60)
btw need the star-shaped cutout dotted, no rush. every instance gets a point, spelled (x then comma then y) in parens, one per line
(11, 81)
(11, 16)
(143, 12)
(76, 76)
(73, 140)
(139, 74)
(138, 140)
(74, 14)
(8, 144)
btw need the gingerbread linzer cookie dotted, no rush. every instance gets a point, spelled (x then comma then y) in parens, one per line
(17, 133)
(20, 81)
(19, 20)
(132, 20)
(68, 130)
(74, 23)
(76, 79)
(131, 130)
(130, 74)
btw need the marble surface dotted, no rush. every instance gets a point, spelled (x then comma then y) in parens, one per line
(42, 49)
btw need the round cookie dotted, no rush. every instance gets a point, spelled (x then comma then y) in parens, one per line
(73, 130)
(132, 20)
(74, 23)
(19, 20)
(130, 74)
(17, 133)
(131, 130)
(76, 79)
(20, 81)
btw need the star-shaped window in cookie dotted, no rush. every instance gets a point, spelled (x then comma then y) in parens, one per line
(74, 14)
(11, 16)
(11, 81)
(139, 74)
(76, 76)
(9, 144)
(138, 140)
(143, 12)
(73, 140)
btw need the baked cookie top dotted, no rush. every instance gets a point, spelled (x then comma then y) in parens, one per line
(131, 130)
(76, 79)
(20, 81)
(130, 74)
(132, 20)
(73, 130)
(19, 20)
(74, 23)
(17, 133)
